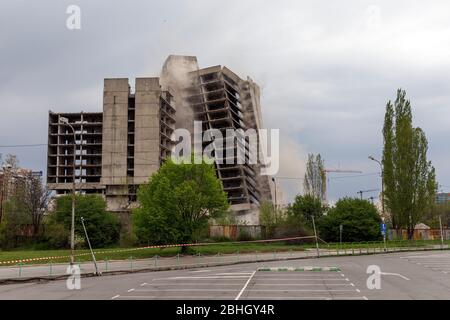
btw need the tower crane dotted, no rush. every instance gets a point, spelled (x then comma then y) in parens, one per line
(326, 171)
(361, 192)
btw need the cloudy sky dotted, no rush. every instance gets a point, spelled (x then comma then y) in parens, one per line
(326, 69)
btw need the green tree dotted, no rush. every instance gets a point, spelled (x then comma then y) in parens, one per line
(13, 223)
(269, 217)
(315, 183)
(409, 178)
(102, 226)
(431, 217)
(359, 218)
(305, 207)
(177, 203)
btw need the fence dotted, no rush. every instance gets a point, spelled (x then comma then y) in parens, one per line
(235, 232)
(420, 234)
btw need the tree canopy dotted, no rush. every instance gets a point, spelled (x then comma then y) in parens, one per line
(305, 207)
(315, 179)
(177, 203)
(409, 178)
(359, 218)
(102, 226)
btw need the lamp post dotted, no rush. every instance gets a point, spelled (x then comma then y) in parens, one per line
(382, 183)
(382, 196)
(65, 121)
(275, 184)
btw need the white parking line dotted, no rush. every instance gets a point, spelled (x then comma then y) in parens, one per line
(179, 284)
(301, 290)
(394, 274)
(288, 298)
(302, 284)
(187, 290)
(156, 297)
(115, 297)
(206, 277)
(233, 273)
(300, 279)
(245, 286)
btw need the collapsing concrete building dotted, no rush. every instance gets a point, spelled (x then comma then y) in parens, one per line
(119, 149)
(221, 100)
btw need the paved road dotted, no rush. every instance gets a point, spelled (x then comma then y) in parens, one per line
(409, 275)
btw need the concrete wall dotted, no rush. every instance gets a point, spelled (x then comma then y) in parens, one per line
(115, 134)
(147, 127)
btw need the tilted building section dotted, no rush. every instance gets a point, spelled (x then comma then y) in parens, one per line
(120, 148)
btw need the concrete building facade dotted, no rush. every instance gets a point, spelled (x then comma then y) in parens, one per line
(120, 148)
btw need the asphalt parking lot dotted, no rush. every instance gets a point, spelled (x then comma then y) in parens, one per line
(249, 285)
(407, 275)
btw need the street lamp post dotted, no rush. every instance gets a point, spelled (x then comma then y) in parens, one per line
(275, 184)
(382, 194)
(382, 183)
(65, 121)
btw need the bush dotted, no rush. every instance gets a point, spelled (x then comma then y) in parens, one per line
(56, 236)
(103, 227)
(244, 235)
(293, 226)
(304, 208)
(360, 220)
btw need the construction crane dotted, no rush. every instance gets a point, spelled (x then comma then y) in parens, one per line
(361, 192)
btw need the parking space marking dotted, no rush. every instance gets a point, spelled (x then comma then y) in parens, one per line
(233, 273)
(202, 278)
(245, 286)
(436, 262)
(242, 285)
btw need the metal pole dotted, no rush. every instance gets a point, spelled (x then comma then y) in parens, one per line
(65, 121)
(442, 233)
(1, 197)
(72, 227)
(315, 235)
(90, 248)
(340, 234)
(382, 195)
(275, 184)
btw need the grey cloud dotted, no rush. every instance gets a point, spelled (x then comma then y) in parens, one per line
(326, 69)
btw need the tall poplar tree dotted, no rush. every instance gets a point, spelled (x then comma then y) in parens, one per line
(409, 178)
(315, 178)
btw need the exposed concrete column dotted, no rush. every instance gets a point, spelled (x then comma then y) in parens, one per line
(147, 128)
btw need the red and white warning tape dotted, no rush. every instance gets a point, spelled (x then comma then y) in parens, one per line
(149, 247)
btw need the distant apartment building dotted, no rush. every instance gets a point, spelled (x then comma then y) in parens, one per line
(443, 198)
(117, 150)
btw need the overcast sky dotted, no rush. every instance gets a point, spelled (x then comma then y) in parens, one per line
(326, 69)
